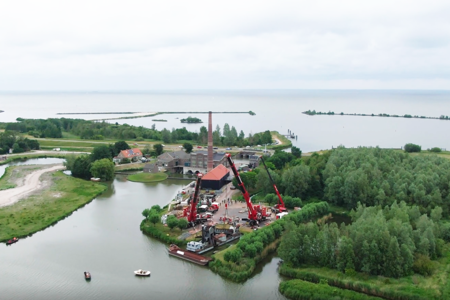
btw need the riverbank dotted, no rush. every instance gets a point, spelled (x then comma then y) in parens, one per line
(58, 197)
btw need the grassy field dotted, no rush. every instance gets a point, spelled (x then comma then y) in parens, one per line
(65, 195)
(147, 177)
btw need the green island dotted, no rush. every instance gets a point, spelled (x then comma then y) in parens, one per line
(331, 113)
(147, 177)
(159, 120)
(191, 120)
(39, 211)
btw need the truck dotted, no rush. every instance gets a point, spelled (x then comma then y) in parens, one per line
(256, 213)
(279, 207)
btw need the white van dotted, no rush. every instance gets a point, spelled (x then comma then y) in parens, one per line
(280, 215)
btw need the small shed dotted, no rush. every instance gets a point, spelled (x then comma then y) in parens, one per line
(151, 168)
(216, 178)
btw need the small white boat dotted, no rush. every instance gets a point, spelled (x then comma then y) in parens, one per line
(142, 273)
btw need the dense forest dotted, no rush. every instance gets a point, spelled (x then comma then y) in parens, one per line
(54, 128)
(394, 242)
(373, 176)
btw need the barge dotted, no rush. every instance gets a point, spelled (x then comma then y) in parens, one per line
(174, 250)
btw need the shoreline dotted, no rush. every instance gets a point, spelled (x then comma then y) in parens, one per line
(54, 197)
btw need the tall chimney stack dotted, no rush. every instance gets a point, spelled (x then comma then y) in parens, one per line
(210, 144)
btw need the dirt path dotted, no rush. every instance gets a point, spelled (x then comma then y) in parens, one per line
(31, 184)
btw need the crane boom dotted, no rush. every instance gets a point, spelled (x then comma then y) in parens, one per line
(252, 214)
(192, 217)
(280, 206)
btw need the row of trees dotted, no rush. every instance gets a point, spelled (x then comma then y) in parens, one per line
(11, 140)
(53, 128)
(39, 128)
(395, 241)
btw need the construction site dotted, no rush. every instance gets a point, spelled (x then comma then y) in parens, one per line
(213, 217)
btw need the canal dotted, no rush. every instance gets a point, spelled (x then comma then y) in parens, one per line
(104, 238)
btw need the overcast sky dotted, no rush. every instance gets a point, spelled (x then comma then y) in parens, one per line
(145, 45)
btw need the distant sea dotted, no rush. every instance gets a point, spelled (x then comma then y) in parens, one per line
(279, 110)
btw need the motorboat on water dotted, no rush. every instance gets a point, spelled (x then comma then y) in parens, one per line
(142, 273)
(87, 276)
(12, 241)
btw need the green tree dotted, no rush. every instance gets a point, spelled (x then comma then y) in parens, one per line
(165, 134)
(158, 149)
(146, 213)
(182, 223)
(296, 152)
(266, 137)
(216, 136)
(103, 168)
(100, 152)
(188, 147)
(295, 180)
(119, 146)
(263, 182)
(154, 218)
(346, 257)
(172, 222)
(81, 167)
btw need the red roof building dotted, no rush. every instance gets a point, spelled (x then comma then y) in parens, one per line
(216, 178)
(130, 153)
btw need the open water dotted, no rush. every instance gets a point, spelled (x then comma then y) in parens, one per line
(279, 110)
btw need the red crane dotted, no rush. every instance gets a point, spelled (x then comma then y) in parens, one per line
(280, 206)
(192, 216)
(256, 213)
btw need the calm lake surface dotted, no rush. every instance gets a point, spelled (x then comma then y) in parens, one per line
(104, 238)
(278, 110)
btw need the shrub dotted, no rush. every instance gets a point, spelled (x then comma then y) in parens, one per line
(412, 148)
(436, 150)
(423, 265)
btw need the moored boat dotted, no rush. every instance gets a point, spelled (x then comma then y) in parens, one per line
(142, 273)
(12, 241)
(186, 255)
(87, 276)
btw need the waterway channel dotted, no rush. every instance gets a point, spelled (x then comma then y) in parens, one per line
(104, 238)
